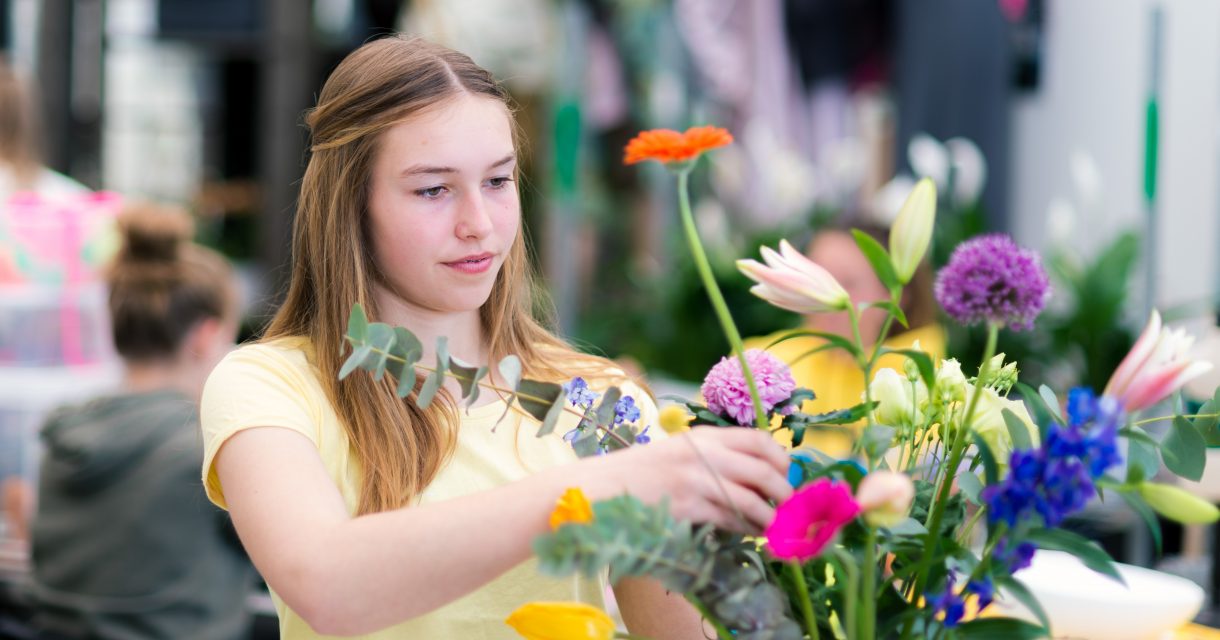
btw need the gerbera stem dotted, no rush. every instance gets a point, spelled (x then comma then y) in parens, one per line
(713, 292)
(868, 595)
(797, 574)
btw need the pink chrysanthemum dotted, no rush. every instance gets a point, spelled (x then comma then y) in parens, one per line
(809, 519)
(727, 394)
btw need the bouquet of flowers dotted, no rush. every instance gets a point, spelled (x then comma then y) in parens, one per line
(954, 481)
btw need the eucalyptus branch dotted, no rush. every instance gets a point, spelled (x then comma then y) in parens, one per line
(1193, 416)
(498, 389)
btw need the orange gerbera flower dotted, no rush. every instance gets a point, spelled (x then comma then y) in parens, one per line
(669, 146)
(572, 507)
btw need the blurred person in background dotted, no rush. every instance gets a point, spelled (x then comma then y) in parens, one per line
(124, 542)
(832, 374)
(21, 167)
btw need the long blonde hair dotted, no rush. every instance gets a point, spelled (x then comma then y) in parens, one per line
(401, 448)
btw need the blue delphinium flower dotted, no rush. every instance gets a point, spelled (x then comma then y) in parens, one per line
(1013, 557)
(643, 437)
(1092, 431)
(984, 589)
(579, 393)
(625, 410)
(949, 603)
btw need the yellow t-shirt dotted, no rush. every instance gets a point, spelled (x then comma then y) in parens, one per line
(275, 384)
(835, 378)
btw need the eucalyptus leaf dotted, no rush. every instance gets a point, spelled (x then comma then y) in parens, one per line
(1136, 433)
(354, 360)
(1042, 414)
(551, 417)
(970, 486)
(428, 391)
(537, 397)
(1184, 450)
(381, 339)
(357, 325)
(1143, 461)
(1052, 402)
(876, 440)
(605, 410)
(1089, 553)
(510, 371)
(1207, 426)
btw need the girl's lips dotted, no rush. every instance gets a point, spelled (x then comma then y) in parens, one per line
(472, 265)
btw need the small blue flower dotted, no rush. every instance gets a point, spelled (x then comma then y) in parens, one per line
(1013, 558)
(796, 472)
(948, 603)
(626, 411)
(579, 393)
(644, 438)
(984, 589)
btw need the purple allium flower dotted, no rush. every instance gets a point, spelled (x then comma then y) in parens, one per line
(727, 394)
(579, 393)
(991, 279)
(625, 410)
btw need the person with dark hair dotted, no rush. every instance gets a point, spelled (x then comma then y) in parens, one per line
(833, 374)
(124, 544)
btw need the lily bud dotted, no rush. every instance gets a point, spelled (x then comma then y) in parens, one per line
(1178, 505)
(912, 230)
(885, 497)
(791, 281)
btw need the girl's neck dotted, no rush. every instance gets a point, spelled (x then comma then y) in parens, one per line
(463, 329)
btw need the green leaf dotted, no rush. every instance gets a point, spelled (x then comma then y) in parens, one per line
(876, 440)
(428, 391)
(537, 398)
(1089, 553)
(1019, 591)
(409, 348)
(442, 354)
(381, 338)
(551, 418)
(406, 381)
(832, 338)
(1017, 430)
(1207, 426)
(605, 410)
(1184, 450)
(1052, 402)
(1143, 461)
(1145, 513)
(999, 629)
(922, 360)
(1042, 414)
(838, 416)
(824, 347)
(510, 371)
(357, 324)
(991, 471)
(910, 527)
(890, 308)
(878, 257)
(1136, 433)
(354, 361)
(468, 378)
(970, 486)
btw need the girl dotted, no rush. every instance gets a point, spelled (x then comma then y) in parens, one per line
(366, 515)
(124, 544)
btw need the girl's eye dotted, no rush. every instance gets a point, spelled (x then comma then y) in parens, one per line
(500, 182)
(430, 193)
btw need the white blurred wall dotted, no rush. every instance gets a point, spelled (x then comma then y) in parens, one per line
(1091, 99)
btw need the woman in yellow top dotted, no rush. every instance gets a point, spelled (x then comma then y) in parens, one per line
(366, 515)
(832, 374)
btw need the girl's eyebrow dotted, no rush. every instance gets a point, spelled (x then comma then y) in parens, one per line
(426, 169)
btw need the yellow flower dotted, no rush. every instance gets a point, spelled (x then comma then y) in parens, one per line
(674, 419)
(572, 507)
(561, 621)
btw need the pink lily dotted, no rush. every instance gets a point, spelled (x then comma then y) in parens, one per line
(1155, 367)
(791, 281)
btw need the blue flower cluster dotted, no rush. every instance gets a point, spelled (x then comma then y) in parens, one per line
(952, 603)
(579, 393)
(1057, 480)
(625, 412)
(1013, 557)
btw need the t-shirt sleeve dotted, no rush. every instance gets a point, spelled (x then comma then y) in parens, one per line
(254, 386)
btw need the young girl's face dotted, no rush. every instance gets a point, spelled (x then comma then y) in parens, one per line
(443, 206)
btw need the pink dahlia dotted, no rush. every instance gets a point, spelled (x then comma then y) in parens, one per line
(809, 519)
(727, 394)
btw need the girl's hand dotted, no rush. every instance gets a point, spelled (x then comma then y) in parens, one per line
(725, 476)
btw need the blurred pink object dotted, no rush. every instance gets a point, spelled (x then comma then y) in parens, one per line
(809, 519)
(1156, 366)
(1014, 10)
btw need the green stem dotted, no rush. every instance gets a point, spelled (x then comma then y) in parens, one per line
(713, 292)
(721, 631)
(847, 563)
(797, 574)
(865, 365)
(1163, 418)
(937, 510)
(868, 600)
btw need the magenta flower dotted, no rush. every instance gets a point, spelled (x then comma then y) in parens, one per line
(809, 519)
(1155, 367)
(991, 279)
(726, 393)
